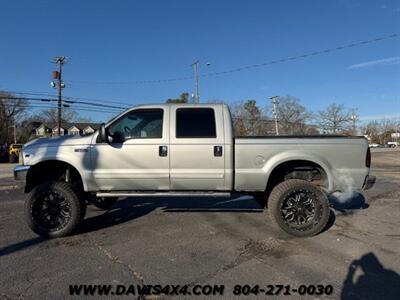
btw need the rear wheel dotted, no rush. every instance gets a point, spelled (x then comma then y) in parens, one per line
(54, 209)
(299, 208)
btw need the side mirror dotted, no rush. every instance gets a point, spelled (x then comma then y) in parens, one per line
(102, 134)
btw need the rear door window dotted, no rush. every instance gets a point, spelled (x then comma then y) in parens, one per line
(195, 123)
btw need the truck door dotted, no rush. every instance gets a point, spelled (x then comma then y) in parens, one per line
(197, 148)
(137, 156)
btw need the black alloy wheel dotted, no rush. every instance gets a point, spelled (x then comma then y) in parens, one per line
(51, 210)
(298, 208)
(54, 209)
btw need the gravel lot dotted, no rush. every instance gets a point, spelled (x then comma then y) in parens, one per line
(207, 241)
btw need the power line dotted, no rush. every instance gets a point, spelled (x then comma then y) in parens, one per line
(44, 106)
(90, 103)
(101, 100)
(243, 68)
(63, 101)
(28, 99)
(30, 93)
(71, 97)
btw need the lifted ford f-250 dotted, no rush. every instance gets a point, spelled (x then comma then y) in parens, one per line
(184, 150)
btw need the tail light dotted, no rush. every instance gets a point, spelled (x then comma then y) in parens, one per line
(368, 159)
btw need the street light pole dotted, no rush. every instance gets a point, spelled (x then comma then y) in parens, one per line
(196, 78)
(354, 118)
(274, 112)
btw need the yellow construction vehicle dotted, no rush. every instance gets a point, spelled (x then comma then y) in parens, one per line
(13, 152)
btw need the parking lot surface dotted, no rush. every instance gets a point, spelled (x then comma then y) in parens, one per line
(207, 241)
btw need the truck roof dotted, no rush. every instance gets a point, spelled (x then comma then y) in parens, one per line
(180, 104)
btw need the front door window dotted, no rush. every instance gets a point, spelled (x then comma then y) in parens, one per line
(136, 124)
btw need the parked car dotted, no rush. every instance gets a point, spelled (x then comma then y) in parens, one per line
(13, 152)
(393, 144)
(188, 150)
(374, 145)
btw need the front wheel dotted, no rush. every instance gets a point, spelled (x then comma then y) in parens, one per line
(299, 208)
(54, 209)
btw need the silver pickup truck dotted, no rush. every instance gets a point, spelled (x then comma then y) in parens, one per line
(186, 150)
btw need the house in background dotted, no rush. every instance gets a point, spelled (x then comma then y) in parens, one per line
(74, 130)
(41, 130)
(54, 131)
(66, 129)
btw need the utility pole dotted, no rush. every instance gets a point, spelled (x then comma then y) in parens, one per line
(60, 60)
(14, 126)
(196, 78)
(275, 101)
(15, 133)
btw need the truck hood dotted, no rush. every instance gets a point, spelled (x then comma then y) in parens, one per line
(66, 140)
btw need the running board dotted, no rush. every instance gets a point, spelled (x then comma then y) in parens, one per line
(164, 194)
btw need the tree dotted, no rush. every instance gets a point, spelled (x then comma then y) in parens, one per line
(292, 116)
(27, 129)
(371, 129)
(11, 111)
(386, 128)
(50, 116)
(86, 119)
(216, 101)
(248, 119)
(380, 131)
(335, 119)
(183, 98)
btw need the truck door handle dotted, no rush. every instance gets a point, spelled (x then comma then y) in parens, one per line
(217, 150)
(163, 151)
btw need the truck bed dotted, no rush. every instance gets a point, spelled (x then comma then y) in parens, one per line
(341, 157)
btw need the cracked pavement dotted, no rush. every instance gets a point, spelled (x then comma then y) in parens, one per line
(206, 241)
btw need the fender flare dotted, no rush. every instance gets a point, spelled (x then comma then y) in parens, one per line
(62, 160)
(288, 156)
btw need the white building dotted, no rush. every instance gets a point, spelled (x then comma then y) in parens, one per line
(66, 128)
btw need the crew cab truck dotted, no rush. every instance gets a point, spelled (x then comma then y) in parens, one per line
(186, 150)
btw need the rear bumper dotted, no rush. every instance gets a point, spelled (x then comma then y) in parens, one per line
(369, 182)
(20, 172)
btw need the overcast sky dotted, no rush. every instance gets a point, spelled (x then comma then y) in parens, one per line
(113, 44)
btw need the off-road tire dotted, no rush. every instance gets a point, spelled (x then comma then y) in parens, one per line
(285, 190)
(76, 209)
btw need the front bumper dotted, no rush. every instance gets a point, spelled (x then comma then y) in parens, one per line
(369, 182)
(20, 172)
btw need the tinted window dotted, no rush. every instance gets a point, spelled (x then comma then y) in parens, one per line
(195, 123)
(138, 124)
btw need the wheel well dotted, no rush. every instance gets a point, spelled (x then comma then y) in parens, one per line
(52, 170)
(298, 169)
